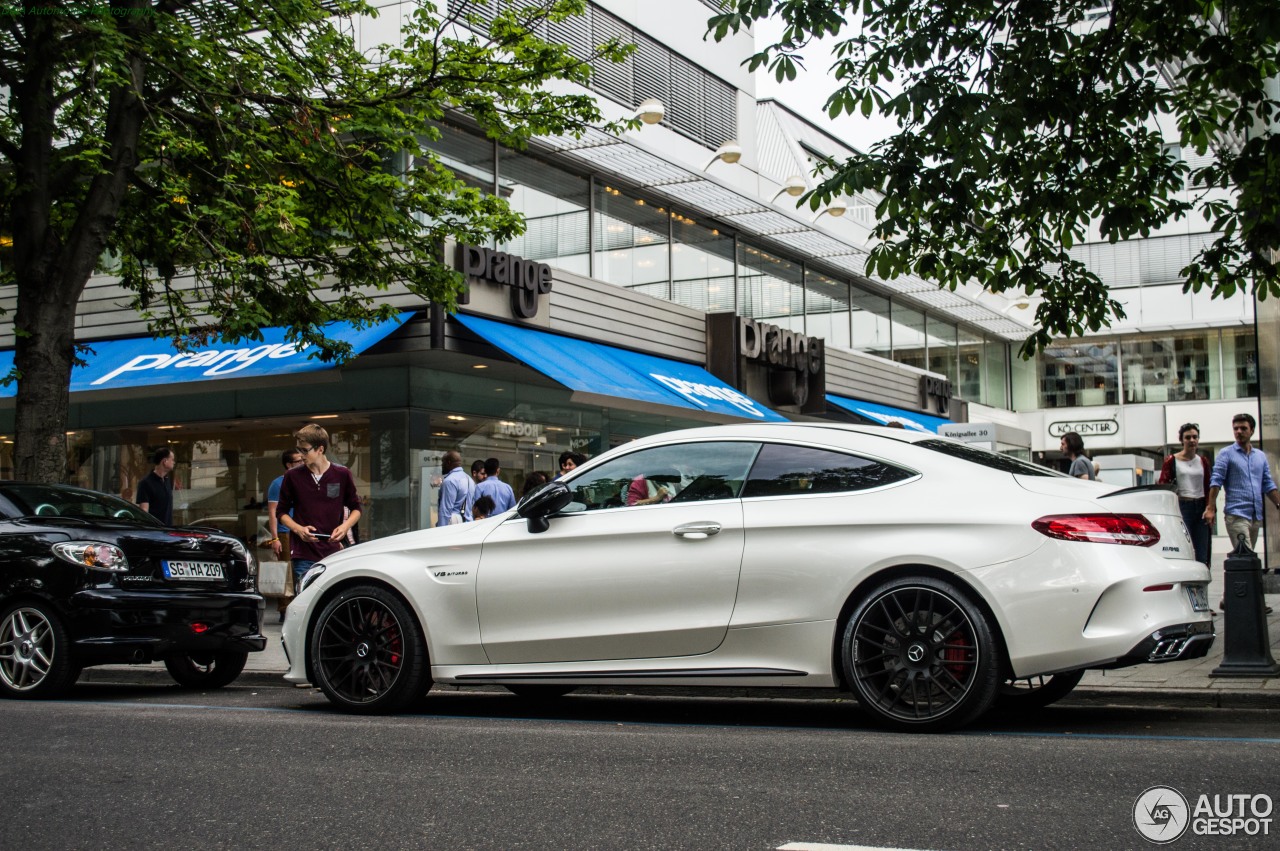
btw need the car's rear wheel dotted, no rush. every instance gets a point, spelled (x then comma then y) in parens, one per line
(1037, 692)
(920, 655)
(205, 670)
(539, 691)
(368, 653)
(35, 652)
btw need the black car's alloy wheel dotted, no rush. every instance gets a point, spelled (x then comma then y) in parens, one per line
(1037, 692)
(205, 670)
(367, 651)
(919, 655)
(35, 653)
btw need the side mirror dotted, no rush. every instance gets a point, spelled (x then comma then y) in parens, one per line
(542, 503)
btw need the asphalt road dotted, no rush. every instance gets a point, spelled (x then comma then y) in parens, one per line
(150, 766)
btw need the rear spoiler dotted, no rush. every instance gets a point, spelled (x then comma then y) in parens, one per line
(1139, 489)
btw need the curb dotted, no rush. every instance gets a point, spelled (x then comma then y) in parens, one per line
(1218, 698)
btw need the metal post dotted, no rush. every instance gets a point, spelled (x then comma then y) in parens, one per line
(1246, 649)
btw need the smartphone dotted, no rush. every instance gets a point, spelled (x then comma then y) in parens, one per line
(320, 536)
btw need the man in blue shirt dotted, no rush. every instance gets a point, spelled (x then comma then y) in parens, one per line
(504, 498)
(456, 491)
(1246, 475)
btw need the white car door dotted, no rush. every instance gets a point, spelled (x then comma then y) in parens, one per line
(609, 580)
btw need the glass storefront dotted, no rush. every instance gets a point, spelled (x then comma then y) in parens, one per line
(592, 227)
(1202, 365)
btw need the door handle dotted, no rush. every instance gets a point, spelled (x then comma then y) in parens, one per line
(696, 531)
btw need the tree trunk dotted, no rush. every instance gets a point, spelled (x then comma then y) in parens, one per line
(45, 323)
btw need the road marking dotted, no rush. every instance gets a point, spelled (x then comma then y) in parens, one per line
(820, 846)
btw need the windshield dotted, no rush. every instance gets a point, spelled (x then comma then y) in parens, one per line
(987, 458)
(52, 501)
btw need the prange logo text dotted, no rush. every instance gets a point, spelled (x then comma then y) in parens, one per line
(213, 362)
(527, 278)
(696, 393)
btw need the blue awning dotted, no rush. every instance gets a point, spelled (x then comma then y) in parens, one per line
(605, 374)
(144, 361)
(885, 414)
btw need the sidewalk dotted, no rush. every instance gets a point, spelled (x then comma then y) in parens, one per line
(1169, 683)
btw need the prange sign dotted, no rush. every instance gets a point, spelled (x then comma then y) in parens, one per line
(935, 394)
(528, 279)
(760, 358)
(144, 361)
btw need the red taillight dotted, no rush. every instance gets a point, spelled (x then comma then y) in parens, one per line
(199, 628)
(1131, 529)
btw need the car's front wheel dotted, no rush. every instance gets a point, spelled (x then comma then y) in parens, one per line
(1031, 693)
(920, 655)
(35, 652)
(205, 670)
(368, 653)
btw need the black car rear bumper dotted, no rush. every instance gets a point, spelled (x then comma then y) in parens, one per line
(109, 625)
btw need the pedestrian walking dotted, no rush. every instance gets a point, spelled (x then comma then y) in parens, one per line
(504, 498)
(1245, 474)
(155, 491)
(318, 502)
(1072, 445)
(289, 459)
(456, 491)
(1189, 472)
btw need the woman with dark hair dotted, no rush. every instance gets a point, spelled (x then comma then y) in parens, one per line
(1073, 448)
(532, 482)
(1189, 472)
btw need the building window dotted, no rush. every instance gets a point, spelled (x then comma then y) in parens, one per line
(554, 206)
(698, 104)
(908, 336)
(632, 242)
(771, 288)
(1079, 374)
(1169, 368)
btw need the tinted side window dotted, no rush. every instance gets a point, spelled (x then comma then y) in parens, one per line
(787, 470)
(687, 472)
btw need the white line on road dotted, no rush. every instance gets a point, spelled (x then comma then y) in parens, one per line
(821, 846)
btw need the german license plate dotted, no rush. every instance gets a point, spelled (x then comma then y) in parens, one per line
(1199, 596)
(192, 569)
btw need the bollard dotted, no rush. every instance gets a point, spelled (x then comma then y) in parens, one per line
(1246, 652)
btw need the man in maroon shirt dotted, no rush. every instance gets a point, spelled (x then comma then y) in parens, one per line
(322, 498)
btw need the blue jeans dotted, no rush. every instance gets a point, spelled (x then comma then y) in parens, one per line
(300, 568)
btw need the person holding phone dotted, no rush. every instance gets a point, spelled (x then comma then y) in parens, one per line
(318, 502)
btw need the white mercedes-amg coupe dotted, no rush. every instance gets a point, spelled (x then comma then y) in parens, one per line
(927, 577)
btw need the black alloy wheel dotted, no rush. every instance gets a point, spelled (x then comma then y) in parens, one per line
(539, 691)
(920, 656)
(35, 652)
(1037, 692)
(205, 670)
(368, 654)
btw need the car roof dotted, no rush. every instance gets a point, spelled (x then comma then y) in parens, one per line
(785, 431)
